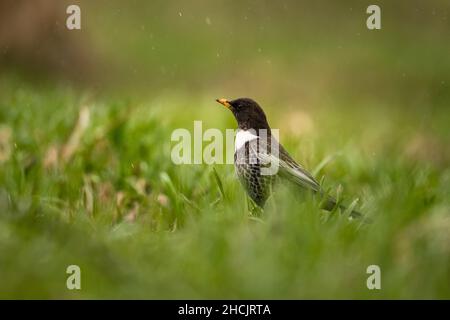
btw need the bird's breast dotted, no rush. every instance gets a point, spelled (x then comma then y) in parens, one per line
(242, 137)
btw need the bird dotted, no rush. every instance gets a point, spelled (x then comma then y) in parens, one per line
(257, 151)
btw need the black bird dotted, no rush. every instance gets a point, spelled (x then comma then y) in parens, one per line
(257, 151)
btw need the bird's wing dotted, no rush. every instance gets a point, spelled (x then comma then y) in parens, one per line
(287, 167)
(292, 171)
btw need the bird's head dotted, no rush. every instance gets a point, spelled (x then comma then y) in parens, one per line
(248, 114)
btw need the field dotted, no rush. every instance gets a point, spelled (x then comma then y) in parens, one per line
(86, 176)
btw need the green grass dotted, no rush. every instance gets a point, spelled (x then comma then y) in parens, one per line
(141, 227)
(367, 111)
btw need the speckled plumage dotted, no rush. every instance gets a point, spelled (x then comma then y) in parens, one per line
(248, 169)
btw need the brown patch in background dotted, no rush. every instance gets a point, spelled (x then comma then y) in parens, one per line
(424, 147)
(34, 38)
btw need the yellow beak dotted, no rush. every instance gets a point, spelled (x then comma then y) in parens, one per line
(224, 102)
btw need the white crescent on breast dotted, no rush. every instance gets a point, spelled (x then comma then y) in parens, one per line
(242, 137)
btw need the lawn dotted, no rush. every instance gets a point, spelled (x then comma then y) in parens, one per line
(86, 176)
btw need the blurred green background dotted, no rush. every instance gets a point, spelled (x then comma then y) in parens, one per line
(86, 177)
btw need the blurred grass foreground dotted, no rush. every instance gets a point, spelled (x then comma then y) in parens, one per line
(86, 178)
